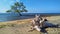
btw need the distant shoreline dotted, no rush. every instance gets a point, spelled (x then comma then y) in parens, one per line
(11, 17)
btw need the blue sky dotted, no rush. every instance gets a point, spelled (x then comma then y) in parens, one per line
(33, 6)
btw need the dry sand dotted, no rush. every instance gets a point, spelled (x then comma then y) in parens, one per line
(22, 26)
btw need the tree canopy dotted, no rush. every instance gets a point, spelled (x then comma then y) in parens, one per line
(18, 7)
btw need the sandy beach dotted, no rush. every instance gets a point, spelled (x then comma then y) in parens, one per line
(22, 26)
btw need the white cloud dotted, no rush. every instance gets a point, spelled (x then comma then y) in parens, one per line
(3, 10)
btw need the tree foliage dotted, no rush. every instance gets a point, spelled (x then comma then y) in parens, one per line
(18, 7)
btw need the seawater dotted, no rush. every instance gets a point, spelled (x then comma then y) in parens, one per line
(15, 16)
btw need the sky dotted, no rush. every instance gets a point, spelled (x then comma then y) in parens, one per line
(33, 6)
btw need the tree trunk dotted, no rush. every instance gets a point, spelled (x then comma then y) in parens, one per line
(19, 14)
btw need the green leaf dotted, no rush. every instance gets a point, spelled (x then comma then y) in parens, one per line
(8, 11)
(18, 7)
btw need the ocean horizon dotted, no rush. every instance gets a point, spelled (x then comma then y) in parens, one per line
(14, 16)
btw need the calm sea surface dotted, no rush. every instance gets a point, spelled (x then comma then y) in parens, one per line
(14, 16)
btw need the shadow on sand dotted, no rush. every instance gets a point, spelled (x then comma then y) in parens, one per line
(49, 25)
